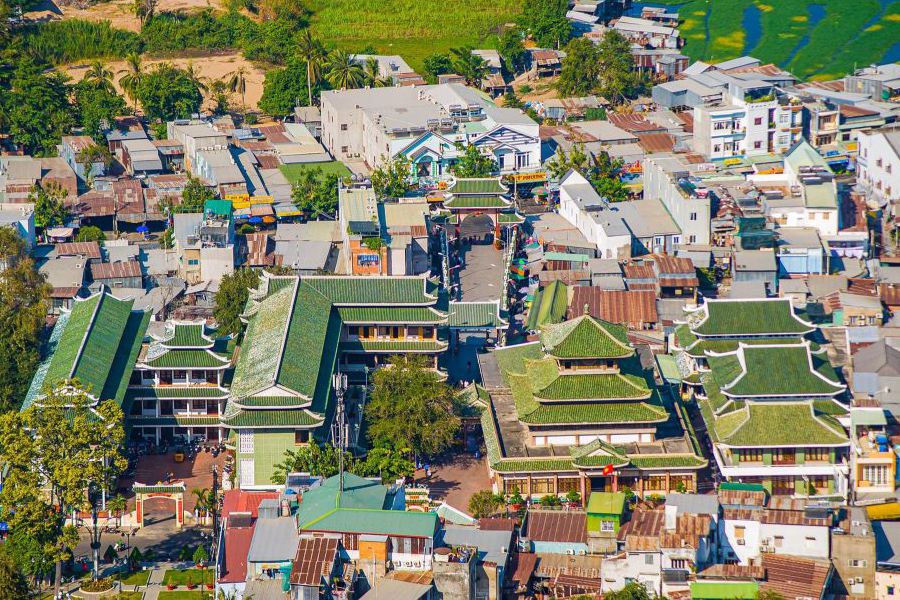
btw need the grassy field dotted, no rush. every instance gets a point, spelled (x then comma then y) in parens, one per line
(292, 172)
(814, 39)
(181, 595)
(196, 576)
(411, 28)
(134, 578)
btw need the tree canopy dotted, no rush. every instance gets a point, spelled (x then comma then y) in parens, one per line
(545, 21)
(512, 50)
(36, 107)
(437, 64)
(90, 233)
(580, 68)
(411, 407)
(168, 93)
(603, 172)
(49, 210)
(324, 459)
(231, 298)
(96, 107)
(24, 297)
(473, 163)
(283, 89)
(316, 193)
(392, 179)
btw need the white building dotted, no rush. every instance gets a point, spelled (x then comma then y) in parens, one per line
(20, 217)
(878, 164)
(747, 533)
(750, 121)
(426, 124)
(196, 137)
(685, 197)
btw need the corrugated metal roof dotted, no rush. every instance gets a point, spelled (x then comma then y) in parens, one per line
(314, 560)
(557, 526)
(274, 540)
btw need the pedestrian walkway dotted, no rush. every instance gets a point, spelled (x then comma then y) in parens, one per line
(154, 584)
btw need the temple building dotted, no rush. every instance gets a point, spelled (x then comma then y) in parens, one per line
(768, 395)
(577, 410)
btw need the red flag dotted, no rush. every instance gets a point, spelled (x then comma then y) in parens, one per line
(608, 470)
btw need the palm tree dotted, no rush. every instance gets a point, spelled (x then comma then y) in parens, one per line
(132, 75)
(238, 83)
(343, 71)
(99, 76)
(468, 65)
(198, 81)
(117, 504)
(312, 51)
(202, 495)
(373, 74)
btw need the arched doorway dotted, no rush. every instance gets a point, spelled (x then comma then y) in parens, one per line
(145, 494)
(478, 226)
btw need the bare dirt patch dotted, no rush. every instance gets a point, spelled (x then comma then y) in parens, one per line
(117, 12)
(219, 66)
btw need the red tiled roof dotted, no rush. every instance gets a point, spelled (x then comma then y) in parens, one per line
(557, 526)
(314, 560)
(129, 268)
(656, 142)
(634, 308)
(238, 501)
(794, 577)
(86, 249)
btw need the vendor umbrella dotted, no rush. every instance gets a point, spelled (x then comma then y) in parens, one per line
(143, 229)
(256, 219)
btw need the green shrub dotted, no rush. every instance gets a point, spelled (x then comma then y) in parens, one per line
(72, 40)
(100, 585)
(177, 31)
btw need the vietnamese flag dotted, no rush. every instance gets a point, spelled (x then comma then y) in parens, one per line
(608, 470)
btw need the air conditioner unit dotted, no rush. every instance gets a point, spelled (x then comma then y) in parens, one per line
(859, 580)
(850, 581)
(740, 542)
(570, 552)
(765, 542)
(582, 553)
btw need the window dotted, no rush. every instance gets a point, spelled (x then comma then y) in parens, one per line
(739, 531)
(872, 320)
(693, 216)
(757, 145)
(245, 441)
(875, 474)
(750, 455)
(343, 127)
(247, 475)
(193, 261)
(676, 239)
(890, 590)
(301, 437)
(655, 482)
(857, 562)
(757, 121)
(679, 563)
(878, 163)
(607, 526)
(542, 486)
(511, 486)
(818, 454)
(353, 330)
(692, 239)
(779, 541)
(344, 149)
(853, 320)
(888, 168)
(649, 559)
(568, 484)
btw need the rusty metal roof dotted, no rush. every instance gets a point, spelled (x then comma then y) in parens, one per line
(314, 560)
(633, 308)
(557, 526)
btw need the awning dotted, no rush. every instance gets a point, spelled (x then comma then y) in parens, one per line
(867, 417)
(889, 511)
(262, 210)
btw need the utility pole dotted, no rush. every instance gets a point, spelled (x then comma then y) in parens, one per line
(339, 429)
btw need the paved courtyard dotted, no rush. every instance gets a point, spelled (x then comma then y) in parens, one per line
(195, 473)
(456, 476)
(481, 276)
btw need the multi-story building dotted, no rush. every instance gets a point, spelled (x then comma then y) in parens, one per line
(73, 152)
(299, 331)
(196, 137)
(427, 125)
(577, 411)
(676, 183)
(177, 389)
(767, 395)
(750, 121)
(204, 242)
(878, 164)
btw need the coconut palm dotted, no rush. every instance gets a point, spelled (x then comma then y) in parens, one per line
(198, 80)
(132, 75)
(313, 52)
(99, 76)
(468, 65)
(373, 73)
(343, 71)
(237, 83)
(117, 504)
(202, 505)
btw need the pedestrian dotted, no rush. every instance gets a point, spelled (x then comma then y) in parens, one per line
(427, 471)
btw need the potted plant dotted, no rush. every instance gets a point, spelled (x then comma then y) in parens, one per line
(573, 498)
(190, 582)
(170, 586)
(516, 499)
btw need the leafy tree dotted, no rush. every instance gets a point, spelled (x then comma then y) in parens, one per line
(631, 591)
(193, 197)
(603, 172)
(316, 192)
(512, 50)
(135, 557)
(512, 100)
(96, 108)
(200, 555)
(469, 65)
(36, 108)
(312, 52)
(144, 10)
(99, 77)
(24, 296)
(117, 504)
(411, 407)
(237, 83)
(550, 500)
(90, 233)
(580, 73)
(321, 460)
(473, 163)
(132, 75)
(545, 21)
(562, 161)
(49, 210)
(437, 64)
(167, 239)
(484, 503)
(616, 77)
(388, 464)
(372, 72)
(285, 88)
(13, 585)
(343, 71)
(392, 179)
(168, 93)
(110, 554)
(231, 299)
(61, 446)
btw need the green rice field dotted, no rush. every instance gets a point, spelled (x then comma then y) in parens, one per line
(814, 39)
(411, 28)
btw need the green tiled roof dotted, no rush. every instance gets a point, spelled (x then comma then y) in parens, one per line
(271, 401)
(784, 370)
(358, 493)
(201, 358)
(188, 335)
(310, 350)
(377, 522)
(175, 392)
(96, 343)
(779, 424)
(391, 314)
(374, 290)
(667, 461)
(272, 418)
(392, 346)
(476, 202)
(160, 488)
(549, 305)
(506, 217)
(175, 420)
(475, 314)
(595, 385)
(596, 412)
(489, 185)
(586, 337)
(749, 317)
